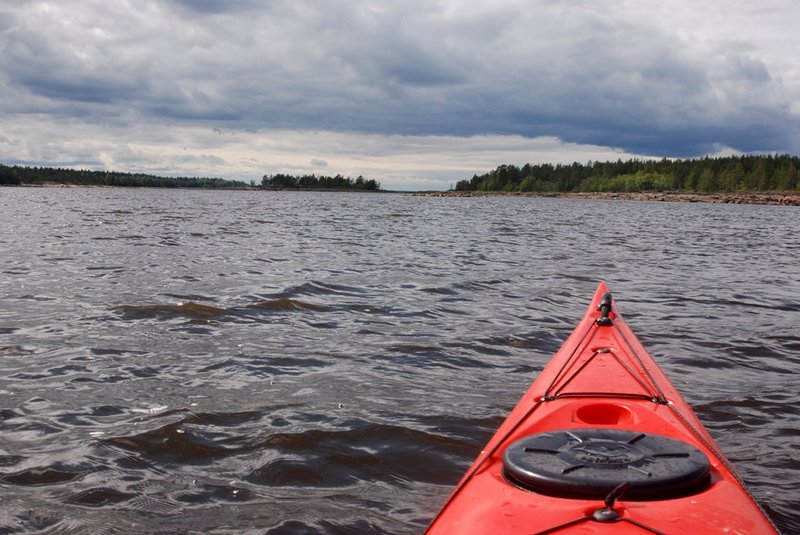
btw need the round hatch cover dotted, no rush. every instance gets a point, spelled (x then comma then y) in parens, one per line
(590, 463)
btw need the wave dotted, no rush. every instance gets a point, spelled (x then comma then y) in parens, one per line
(190, 310)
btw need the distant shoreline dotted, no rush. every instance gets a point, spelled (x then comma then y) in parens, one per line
(789, 198)
(186, 188)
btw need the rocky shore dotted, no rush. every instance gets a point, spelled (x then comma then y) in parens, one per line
(779, 198)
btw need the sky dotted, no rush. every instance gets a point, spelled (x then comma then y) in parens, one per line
(416, 94)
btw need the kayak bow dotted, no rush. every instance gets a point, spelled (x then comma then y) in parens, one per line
(602, 442)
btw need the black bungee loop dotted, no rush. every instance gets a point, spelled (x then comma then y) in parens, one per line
(607, 513)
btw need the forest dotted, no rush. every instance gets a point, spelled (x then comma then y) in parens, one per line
(723, 174)
(20, 175)
(282, 181)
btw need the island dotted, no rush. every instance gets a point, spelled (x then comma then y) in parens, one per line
(51, 176)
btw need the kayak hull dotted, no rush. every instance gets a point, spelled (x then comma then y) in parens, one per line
(601, 442)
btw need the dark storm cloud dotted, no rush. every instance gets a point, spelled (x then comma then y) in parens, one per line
(218, 6)
(582, 73)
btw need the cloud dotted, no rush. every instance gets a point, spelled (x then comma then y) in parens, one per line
(398, 162)
(637, 77)
(217, 6)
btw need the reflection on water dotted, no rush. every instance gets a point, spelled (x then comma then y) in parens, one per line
(331, 363)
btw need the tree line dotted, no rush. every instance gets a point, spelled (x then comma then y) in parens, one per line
(20, 175)
(724, 174)
(283, 181)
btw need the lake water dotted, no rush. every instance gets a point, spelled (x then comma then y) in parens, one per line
(279, 362)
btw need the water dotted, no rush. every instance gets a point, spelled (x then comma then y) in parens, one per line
(267, 362)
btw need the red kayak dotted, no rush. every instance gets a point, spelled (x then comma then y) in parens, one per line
(602, 442)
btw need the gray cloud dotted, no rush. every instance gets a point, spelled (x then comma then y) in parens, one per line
(579, 71)
(218, 6)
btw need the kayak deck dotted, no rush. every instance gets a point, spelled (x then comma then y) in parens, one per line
(602, 442)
